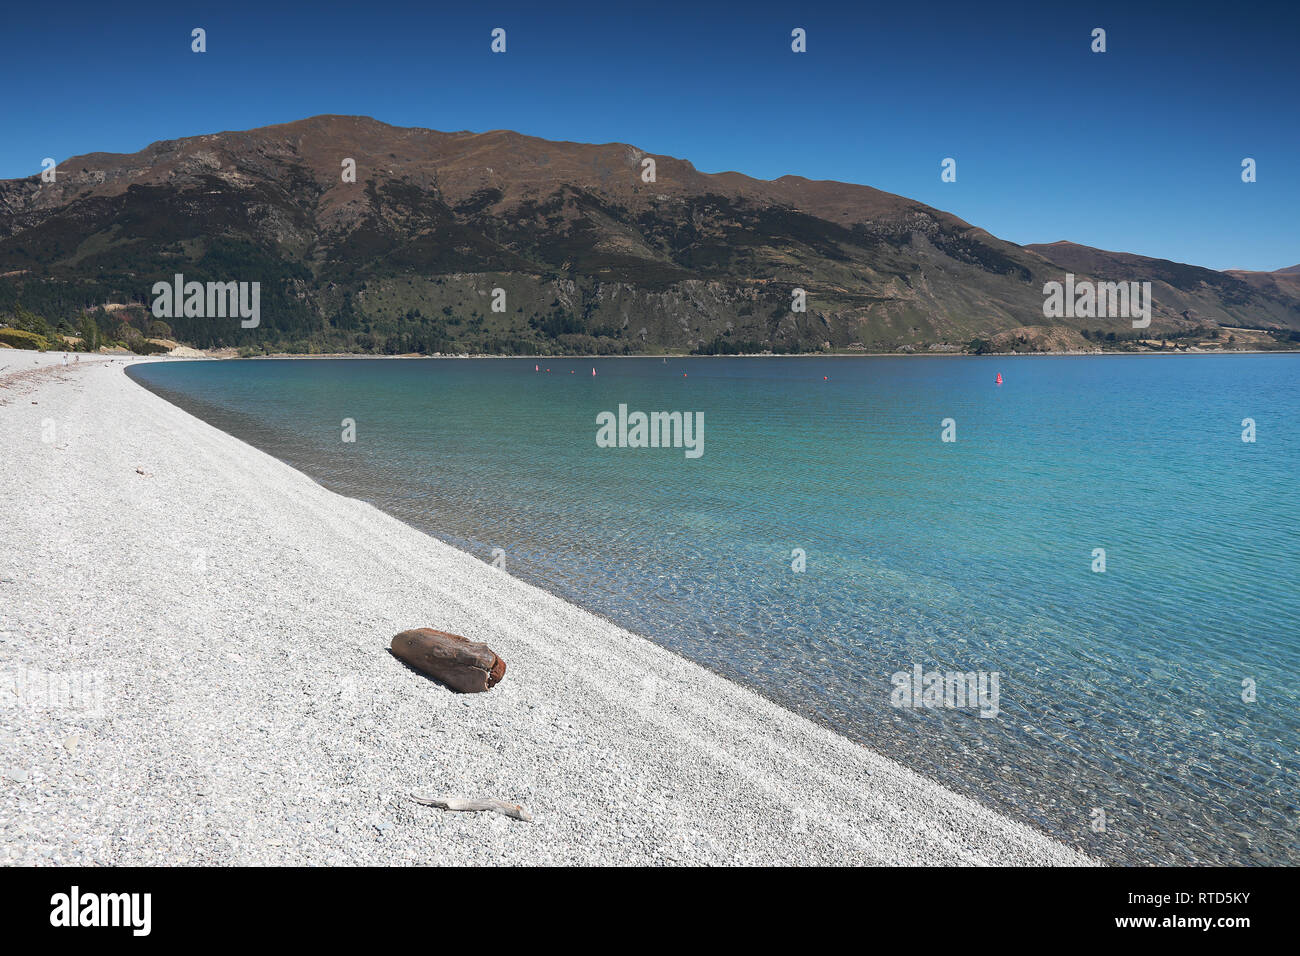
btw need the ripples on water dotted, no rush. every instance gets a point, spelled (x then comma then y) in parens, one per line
(1119, 691)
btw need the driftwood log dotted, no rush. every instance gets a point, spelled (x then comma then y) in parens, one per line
(494, 806)
(461, 664)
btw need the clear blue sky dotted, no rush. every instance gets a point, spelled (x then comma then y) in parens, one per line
(1138, 149)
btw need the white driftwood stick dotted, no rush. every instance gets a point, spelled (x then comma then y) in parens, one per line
(496, 806)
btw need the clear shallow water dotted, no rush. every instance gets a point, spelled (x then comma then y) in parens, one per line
(1119, 691)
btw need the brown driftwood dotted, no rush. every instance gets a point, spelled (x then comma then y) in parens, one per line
(496, 806)
(459, 663)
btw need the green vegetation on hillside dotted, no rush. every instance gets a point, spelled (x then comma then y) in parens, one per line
(128, 328)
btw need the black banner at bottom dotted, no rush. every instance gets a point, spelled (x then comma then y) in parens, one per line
(1222, 907)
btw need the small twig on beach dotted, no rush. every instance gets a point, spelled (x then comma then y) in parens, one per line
(496, 806)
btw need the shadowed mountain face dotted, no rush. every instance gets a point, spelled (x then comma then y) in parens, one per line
(1282, 283)
(591, 257)
(1202, 296)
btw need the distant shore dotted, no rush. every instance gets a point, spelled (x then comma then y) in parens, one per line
(247, 710)
(772, 355)
(187, 352)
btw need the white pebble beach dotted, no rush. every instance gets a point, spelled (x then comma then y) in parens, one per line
(194, 651)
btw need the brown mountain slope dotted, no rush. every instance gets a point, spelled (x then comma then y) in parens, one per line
(1280, 283)
(1196, 294)
(591, 257)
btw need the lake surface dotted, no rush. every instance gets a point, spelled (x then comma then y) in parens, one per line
(1124, 693)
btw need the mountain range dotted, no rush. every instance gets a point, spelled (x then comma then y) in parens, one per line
(592, 258)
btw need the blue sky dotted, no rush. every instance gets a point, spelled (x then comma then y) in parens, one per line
(1138, 149)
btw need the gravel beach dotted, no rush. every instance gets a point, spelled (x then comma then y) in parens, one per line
(194, 669)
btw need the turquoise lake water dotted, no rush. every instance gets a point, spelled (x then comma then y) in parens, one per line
(1120, 692)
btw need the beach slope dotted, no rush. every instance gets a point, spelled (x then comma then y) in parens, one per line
(194, 652)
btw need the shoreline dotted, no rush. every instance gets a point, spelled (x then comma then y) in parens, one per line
(240, 615)
(745, 355)
(217, 355)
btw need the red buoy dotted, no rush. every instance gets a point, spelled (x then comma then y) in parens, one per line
(999, 378)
